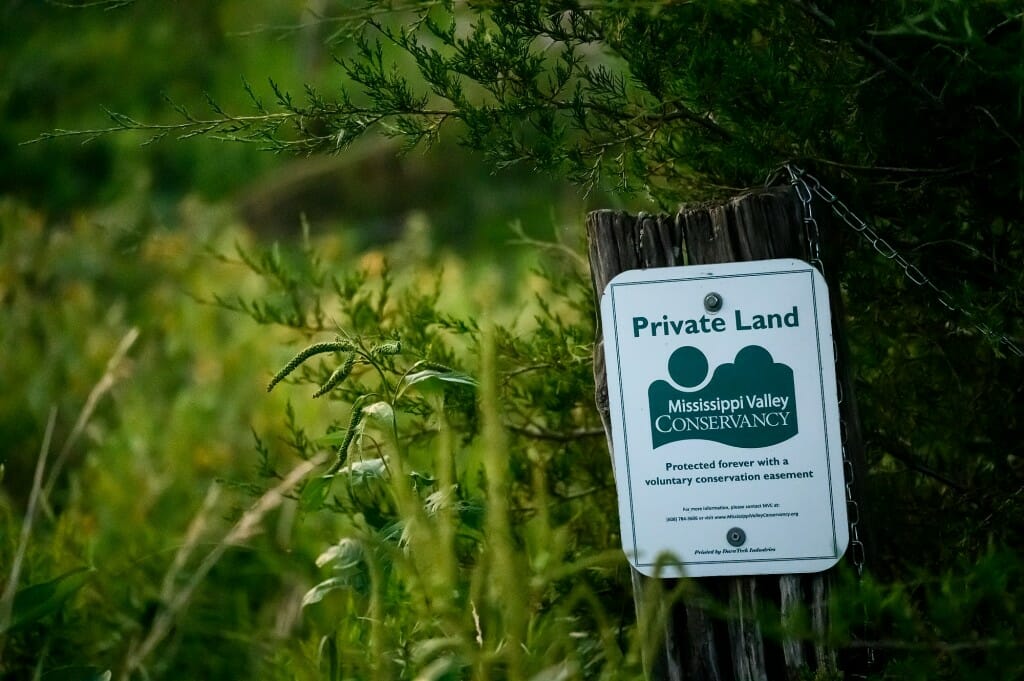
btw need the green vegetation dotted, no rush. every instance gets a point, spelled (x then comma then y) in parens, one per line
(425, 493)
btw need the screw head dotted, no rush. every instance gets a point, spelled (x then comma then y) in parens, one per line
(713, 302)
(736, 536)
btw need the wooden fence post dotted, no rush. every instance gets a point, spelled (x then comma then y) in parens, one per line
(689, 642)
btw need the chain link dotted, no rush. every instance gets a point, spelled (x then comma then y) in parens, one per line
(808, 185)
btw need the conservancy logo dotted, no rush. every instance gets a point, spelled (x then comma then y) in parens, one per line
(749, 403)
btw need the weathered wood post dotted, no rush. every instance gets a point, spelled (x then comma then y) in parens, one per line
(691, 643)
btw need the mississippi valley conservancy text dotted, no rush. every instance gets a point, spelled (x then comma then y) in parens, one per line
(667, 423)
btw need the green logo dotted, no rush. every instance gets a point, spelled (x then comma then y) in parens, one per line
(749, 403)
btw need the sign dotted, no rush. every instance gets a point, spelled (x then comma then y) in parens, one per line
(725, 419)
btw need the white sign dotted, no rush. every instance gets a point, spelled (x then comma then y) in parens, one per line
(725, 419)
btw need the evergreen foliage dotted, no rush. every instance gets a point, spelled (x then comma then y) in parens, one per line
(913, 108)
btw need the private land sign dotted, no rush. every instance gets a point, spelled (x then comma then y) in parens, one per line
(725, 419)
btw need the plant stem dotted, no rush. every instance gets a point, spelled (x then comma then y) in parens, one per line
(7, 600)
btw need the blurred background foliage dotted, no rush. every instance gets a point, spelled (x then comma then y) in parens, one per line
(118, 236)
(149, 288)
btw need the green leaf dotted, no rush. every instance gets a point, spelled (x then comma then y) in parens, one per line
(444, 376)
(364, 469)
(431, 380)
(314, 494)
(317, 593)
(39, 600)
(432, 648)
(77, 674)
(380, 411)
(441, 668)
(344, 555)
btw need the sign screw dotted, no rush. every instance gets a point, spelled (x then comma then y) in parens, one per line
(713, 302)
(736, 536)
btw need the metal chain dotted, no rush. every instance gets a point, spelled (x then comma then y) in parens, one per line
(810, 186)
(805, 192)
(813, 236)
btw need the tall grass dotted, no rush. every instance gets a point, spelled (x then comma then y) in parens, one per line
(471, 495)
